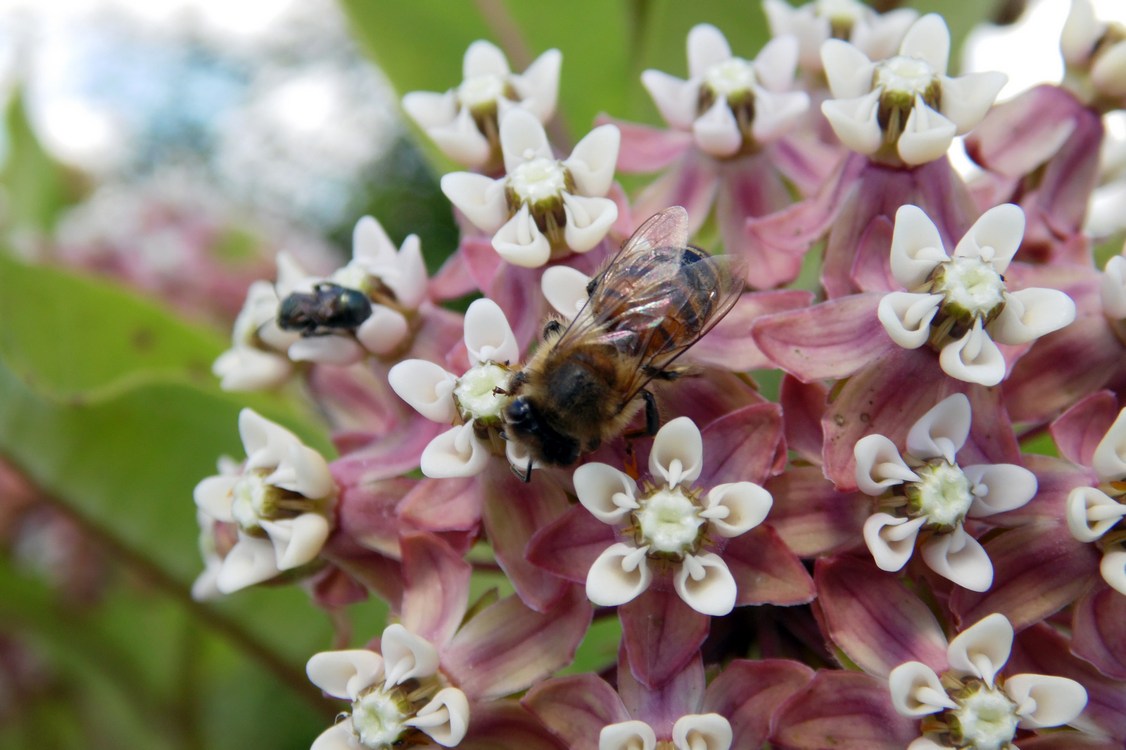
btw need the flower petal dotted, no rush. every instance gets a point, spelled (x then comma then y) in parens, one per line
(848, 70)
(618, 576)
(983, 648)
(1091, 513)
(445, 719)
(339, 736)
(564, 288)
(701, 732)
(736, 508)
(1112, 567)
(1109, 71)
(917, 691)
(916, 246)
(707, 46)
(488, 336)
(480, 198)
(249, 562)
(891, 540)
(855, 121)
(705, 584)
(345, 674)
(406, 656)
(928, 39)
(593, 160)
(607, 493)
(1029, 314)
(297, 541)
(243, 368)
(627, 735)
(214, 496)
(716, 131)
(455, 453)
(678, 452)
(1045, 700)
(907, 317)
(1109, 461)
(339, 351)
(538, 85)
(775, 64)
(999, 487)
(942, 431)
(521, 242)
(776, 113)
(974, 358)
(1081, 31)
(960, 558)
(522, 139)
(966, 99)
(926, 136)
(994, 237)
(879, 465)
(675, 98)
(588, 221)
(427, 387)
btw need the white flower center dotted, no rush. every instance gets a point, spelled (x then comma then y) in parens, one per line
(905, 75)
(377, 719)
(476, 391)
(538, 180)
(944, 493)
(972, 284)
(251, 501)
(479, 91)
(987, 719)
(730, 77)
(669, 521)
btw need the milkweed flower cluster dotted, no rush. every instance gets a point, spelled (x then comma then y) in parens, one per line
(831, 521)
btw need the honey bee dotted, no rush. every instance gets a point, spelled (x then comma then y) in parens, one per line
(587, 381)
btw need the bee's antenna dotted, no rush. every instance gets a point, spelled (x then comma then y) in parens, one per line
(528, 472)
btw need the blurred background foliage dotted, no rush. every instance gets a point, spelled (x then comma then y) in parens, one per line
(153, 163)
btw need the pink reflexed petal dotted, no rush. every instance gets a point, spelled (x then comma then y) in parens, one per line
(730, 344)
(513, 511)
(691, 183)
(855, 121)
(345, 674)
(802, 405)
(907, 317)
(609, 494)
(1006, 486)
(406, 656)
(926, 136)
(928, 39)
(646, 148)
(250, 561)
(916, 246)
(570, 545)
(1022, 133)
(705, 584)
(874, 618)
(942, 431)
(1097, 631)
(1038, 570)
(1045, 700)
(593, 160)
(576, 708)
(661, 635)
(521, 242)
(848, 70)
(661, 707)
(702, 732)
(766, 571)
(488, 337)
(627, 735)
(974, 358)
(707, 46)
(507, 647)
(436, 587)
(879, 465)
(522, 139)
(506, 724)
(743, 445)
(367, 511)
(716, 131)
(811, 517)
(960, 558)
(917, 691)
(891, 540)
(749, 693)
(829, 340)
(843, 709)
(480, 198)
(966, 99)
(1080, 429)
(1109, 459)
(619, 575)
(982, 649)
(677, 455)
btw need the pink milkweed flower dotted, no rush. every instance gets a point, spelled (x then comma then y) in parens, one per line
(462, 122)
(973, 704)
(543, 207)
(280, 500)
(924, 492)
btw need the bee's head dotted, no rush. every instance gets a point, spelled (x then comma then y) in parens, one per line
(525, 423)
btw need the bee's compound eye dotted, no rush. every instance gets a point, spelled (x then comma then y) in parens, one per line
(518, 412)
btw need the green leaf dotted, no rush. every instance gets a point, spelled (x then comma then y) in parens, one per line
(37, 187)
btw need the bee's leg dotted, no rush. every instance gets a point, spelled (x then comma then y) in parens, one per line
(664, 373)
(528, 473)
(551, 329)
(652, 415)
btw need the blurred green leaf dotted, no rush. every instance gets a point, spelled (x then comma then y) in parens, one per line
(36, 187)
